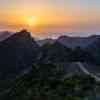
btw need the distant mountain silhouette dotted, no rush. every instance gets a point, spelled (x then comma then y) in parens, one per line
(17, 53)
(84, 48)
(4, 35)
(73, 42)
(42, 42)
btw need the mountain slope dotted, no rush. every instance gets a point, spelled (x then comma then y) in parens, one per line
(55, 52)
(94, 49)
(73, 42)
(17, 53)
(4, 35)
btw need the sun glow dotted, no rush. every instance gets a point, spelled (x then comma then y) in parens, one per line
(31, 21)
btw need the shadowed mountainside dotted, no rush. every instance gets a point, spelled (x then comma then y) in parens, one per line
(54, 70)
(17, 53)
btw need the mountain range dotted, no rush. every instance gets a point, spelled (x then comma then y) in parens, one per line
(30, 68)
(19, 51)
(72, 42)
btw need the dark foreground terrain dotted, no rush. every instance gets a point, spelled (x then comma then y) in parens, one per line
(63, 69)
(48, 82)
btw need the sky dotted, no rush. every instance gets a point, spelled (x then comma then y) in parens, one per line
(47, 17)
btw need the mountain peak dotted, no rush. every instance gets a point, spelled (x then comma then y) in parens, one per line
(63, 37)
(24, 31)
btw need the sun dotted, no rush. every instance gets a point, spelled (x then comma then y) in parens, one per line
(31, 21)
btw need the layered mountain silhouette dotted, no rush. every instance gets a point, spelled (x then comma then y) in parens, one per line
(28, 67)
(20, 51)
(72, 42)
(85, 47)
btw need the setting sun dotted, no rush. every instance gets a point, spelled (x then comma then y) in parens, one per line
(31, 21)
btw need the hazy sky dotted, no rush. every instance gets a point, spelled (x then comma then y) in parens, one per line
(50, 15)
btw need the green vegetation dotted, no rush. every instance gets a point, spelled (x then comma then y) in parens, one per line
(46, 82)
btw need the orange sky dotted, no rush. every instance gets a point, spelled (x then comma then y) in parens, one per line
(43, 16)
